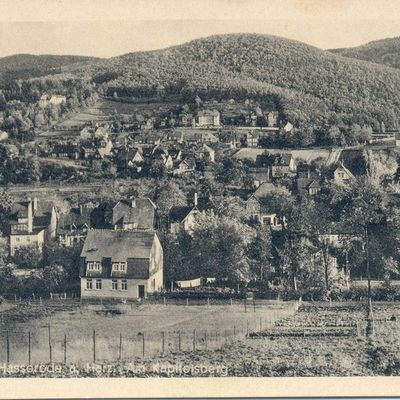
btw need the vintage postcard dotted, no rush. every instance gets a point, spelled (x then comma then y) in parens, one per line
(199, 198)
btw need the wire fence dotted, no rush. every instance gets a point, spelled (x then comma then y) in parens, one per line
(50, 344)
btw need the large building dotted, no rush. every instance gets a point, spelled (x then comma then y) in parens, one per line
(121, 264)
(32, 222)
(208, 118)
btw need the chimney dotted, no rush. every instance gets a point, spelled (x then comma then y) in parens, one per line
(195, 199)
(30, 216)
(35, 203)
(80, 209)
(133, 203)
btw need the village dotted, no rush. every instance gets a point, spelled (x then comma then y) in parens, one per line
(204, 164)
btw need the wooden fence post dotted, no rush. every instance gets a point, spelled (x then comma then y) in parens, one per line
(143, 345)
(231, 302)
(40, 300)
(245, 305)
(205, 340)
(29, 347)
(163, 342)
(94, 346)
(50, 349)
(226, 337)
(216, 338)
(208, 302)
(65, 349)
(164, 301)
(187, 301)
(194, 339)
(15, 297)
(247, 329)
(179, 340)
(8, 347)
(234, 331)
(254, 305)
(304, 330)
(260, 324)
(120, 347)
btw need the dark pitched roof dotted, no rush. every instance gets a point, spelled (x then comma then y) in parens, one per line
(117, 245)
(282, 159)
(78, 217)
(179, 213)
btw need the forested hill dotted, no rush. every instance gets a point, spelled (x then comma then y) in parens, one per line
(385, 51)
(22, 66)
(308, 84)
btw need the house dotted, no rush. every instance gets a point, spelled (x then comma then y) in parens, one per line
(288, 127)
(185, 217)
(121, 264)
(272, 118)
(32, 222)
(174, 137)
(127, 158)
(184, 167)
(136, 214)
(252, 139)
(205, 153)
(185, 119)
(308, 186)
(197, 136)
(258, 210)
(160, 154)
(73, 226)
(57, 99)
(43, 101)
(65, 150)
(101, 133)
(283, 166)
(342, 176)
(208, 118)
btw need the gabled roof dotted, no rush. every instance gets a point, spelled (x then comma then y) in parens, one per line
(179, 213)
(282, 159)
(264, 189)
(346, 170)
(117, 245)
(76, 217)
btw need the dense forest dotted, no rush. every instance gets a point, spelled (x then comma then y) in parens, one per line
(312, 88)
(310, 85)
(385, 51)
(24, 66)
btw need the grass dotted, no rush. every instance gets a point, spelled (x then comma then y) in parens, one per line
(219, 323)
(263, 353)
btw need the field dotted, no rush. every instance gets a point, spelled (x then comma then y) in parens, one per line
(320, 339)
(306, 155)
(174, 327)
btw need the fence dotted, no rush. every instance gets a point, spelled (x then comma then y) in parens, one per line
(52, 343)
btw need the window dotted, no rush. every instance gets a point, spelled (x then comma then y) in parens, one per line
(17, 239)
(119, 266)
(114, 284)
(89, 284)
(124, 284)
(341, 174)
(98, 284)
(93, 266)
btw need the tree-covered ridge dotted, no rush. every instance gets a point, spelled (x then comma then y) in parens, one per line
(308, 84)
(384, 51)
(22, 66)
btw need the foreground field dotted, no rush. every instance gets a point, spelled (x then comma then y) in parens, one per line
(319, 340)
(119, 330)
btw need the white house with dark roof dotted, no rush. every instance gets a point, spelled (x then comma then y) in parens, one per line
(121, 264)
(342, 175)
(32, 222)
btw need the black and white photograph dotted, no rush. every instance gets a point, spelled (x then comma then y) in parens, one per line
(199, 189)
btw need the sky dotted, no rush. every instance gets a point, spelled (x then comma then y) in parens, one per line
(107, 28)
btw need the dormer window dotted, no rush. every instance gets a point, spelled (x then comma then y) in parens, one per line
(119, 266)
(93, 266)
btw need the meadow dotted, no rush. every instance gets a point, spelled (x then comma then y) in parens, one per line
(117, 331)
